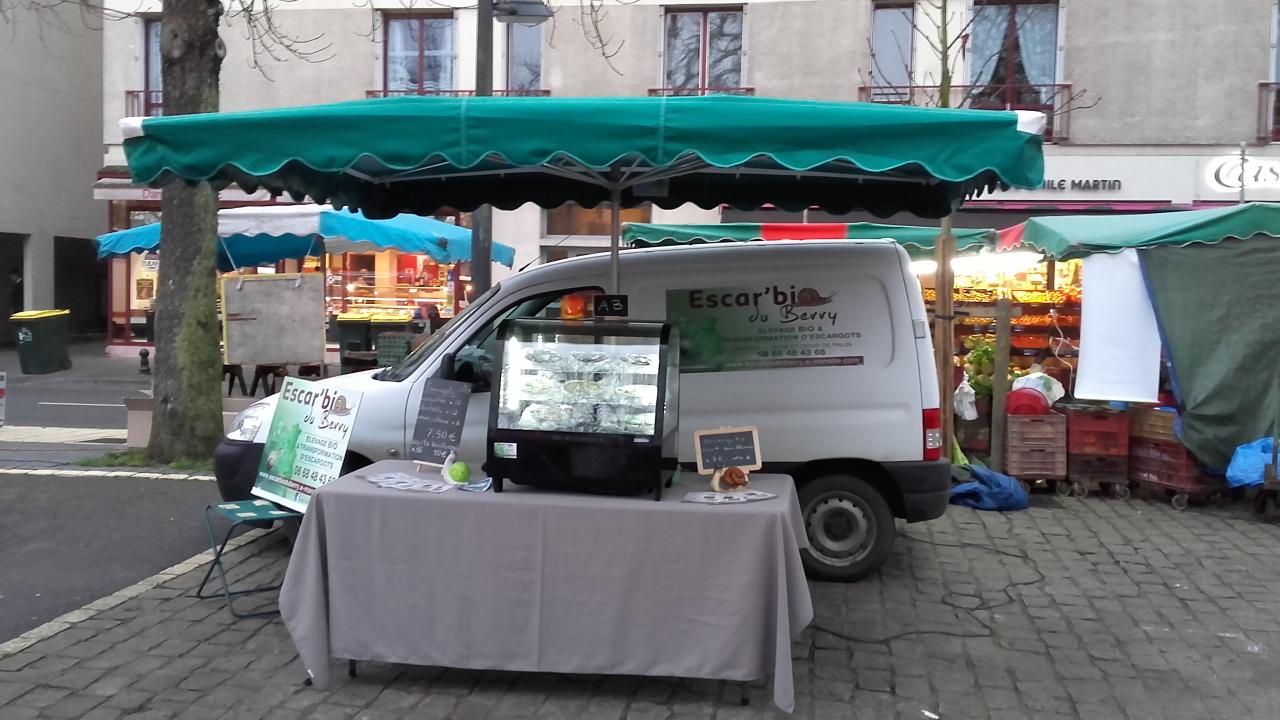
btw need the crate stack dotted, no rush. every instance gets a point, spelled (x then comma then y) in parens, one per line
(1158, 460)
(1036, 447)
(1097, 451)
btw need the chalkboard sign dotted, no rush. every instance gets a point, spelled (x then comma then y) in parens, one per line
(441, 413)
(726, 448)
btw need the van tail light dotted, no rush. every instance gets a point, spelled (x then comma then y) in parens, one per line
(933, 434)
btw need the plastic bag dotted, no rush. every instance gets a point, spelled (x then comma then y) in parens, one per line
(1249, 463)
(1044, 384)
(990, 490)
(966, 401)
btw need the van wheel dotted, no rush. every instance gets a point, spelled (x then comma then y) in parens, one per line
(849, 526)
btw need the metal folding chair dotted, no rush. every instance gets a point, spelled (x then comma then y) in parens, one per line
(239, 513)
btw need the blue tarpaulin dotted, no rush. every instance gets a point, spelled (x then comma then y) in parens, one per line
(258, 235)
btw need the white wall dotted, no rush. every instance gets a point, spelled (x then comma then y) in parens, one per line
(50, 95)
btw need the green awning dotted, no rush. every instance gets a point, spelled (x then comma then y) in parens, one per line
(918, 240)
(1075, 236)
(419, 154)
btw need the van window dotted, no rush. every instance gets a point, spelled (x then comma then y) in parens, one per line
(474, 361)
(405, 367)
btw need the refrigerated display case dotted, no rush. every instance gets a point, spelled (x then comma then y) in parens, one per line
(590, 406)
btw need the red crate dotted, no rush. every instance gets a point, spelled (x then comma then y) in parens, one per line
(1171, 467)
(1036, 463)
(1097, 431)
(1093, 473)
(1037, 431)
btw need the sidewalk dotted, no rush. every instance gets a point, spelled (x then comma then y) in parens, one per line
(1094, 609)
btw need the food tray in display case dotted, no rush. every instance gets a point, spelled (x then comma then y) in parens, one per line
(584, 405)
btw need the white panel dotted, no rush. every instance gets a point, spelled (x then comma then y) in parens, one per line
(1119, 341)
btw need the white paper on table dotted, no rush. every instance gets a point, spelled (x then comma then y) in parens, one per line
(727, 498)
(1119, 339)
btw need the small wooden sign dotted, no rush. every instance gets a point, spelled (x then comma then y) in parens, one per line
(727, 447)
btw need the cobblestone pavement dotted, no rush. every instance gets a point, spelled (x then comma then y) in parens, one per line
(1090, 609)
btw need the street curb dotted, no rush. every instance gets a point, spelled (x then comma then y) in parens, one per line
(108, 473)
(68, 620)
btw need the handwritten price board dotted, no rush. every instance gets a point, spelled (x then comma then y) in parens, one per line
(726, 448)
(441, 414)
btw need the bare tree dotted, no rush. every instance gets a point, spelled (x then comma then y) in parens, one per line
(187, 420)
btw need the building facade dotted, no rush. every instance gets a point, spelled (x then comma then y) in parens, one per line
(1149, 100)
(50, 141)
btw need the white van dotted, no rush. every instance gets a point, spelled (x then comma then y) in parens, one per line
(822, 345)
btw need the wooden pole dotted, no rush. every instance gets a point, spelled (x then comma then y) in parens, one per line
(1000, 383)
(945, 334)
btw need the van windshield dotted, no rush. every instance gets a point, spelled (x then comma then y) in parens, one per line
(410, 363)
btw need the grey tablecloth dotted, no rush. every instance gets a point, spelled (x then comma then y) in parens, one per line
(552, 582)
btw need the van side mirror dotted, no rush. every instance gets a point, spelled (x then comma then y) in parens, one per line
(448, 367)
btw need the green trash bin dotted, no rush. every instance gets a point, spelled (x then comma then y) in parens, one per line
(43, 340)
(353, 331)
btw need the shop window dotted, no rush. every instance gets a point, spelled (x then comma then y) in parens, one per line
(892, 38)
(419, 54)
(1013, 51)
(703, 50)
(524, 57)
(571, 219)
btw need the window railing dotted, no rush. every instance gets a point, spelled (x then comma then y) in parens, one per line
(454, 93)
(143, 103)
(1268, 112)
(1055, 101)
(696, 91)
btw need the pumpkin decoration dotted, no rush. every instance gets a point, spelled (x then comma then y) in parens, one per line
(732, 479)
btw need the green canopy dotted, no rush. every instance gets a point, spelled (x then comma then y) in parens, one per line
(917, 239)
(1075, 236)
(418, 154)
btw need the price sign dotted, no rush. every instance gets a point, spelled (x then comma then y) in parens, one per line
(726, 448)
(441, 414)
(611, 306)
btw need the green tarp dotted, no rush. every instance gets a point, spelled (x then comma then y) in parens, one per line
(1214, 305)
(418, 154)
(918, 240)
(1078, 235)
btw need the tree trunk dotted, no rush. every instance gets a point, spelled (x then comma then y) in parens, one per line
(187, 421)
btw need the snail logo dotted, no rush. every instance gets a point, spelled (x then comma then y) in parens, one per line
(339, 406)
(808, 297)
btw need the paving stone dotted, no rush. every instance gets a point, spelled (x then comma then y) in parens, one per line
(72, 706)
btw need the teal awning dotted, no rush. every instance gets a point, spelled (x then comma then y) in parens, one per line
(1074, 236)
(917, 239)
(419, 154)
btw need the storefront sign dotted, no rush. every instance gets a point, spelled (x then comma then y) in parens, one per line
(783, 325)
(1083, 185)
(307, 442)
(1229, 174)
(150, 261)
(1110, 178)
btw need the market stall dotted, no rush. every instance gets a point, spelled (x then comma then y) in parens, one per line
(744, 151)
(1209, 276)
(397, 264)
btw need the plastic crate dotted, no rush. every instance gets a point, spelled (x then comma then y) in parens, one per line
(1153, 424)
(1093, 473)
(1039, 431)
(1036, 463)
(1170, 466)
(1097, 431)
